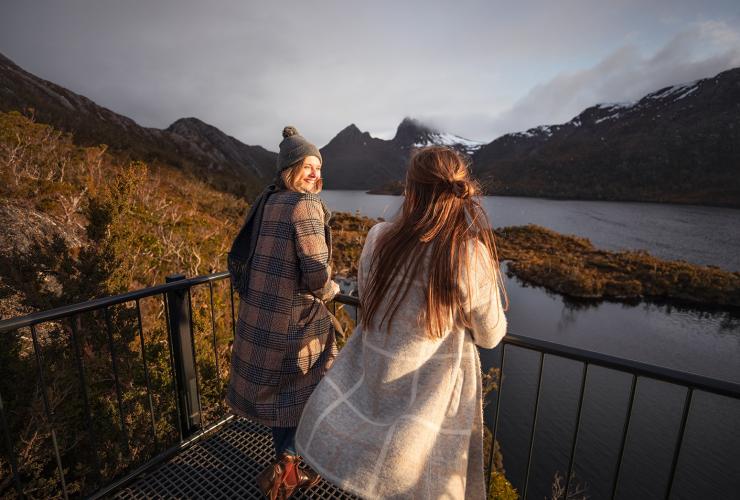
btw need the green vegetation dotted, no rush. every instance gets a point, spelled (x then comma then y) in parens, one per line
(348, 236)
(571, 266)
(81, 222)
(393, 188)
(84, 222)
(499, 487)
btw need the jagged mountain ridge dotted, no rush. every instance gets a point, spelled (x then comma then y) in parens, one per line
(356, 160)
(678, 144)
(188, 143)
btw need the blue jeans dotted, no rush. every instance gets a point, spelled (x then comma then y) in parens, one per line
(284, 440)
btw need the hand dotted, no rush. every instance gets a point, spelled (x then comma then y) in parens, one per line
(334, 288)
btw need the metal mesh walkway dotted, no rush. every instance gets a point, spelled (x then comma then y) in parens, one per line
(223, 465)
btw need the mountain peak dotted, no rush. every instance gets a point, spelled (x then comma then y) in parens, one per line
(350, 129)
(350, 135)
(183, 126)
(411, 130)
(189, 119)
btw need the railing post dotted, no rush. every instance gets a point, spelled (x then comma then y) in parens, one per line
(181, 333)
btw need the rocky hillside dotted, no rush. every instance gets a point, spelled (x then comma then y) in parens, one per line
(188, 144)
(223, 149)
(355, 160)
(680, 144)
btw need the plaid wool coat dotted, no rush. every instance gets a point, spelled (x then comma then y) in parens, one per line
(285, 339)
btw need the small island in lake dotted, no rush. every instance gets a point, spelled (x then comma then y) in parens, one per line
(393, 188)
(572, 266)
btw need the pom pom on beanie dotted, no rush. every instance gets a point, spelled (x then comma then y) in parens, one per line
(289, 131)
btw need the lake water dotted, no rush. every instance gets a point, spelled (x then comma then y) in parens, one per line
(687, 340)
(701, 235)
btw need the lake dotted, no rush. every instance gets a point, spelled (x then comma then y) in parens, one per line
(701, 235)
(706, 343)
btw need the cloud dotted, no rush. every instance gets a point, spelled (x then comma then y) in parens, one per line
(471, 69)
(625, 75)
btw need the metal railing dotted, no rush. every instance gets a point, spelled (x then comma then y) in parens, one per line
(187, 387)
(689, 381)
(636, 370)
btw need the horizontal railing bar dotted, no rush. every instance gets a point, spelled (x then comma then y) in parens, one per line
(700, 382)
(347, 299)
(637, 369)
(708, 384)
(91, 305)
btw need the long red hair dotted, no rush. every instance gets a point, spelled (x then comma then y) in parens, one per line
(440, 214)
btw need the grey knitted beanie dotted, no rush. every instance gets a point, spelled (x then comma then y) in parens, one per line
(294, 148)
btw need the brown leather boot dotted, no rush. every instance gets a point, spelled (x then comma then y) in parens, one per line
(307, 477)
(268, 481)
(281, 478)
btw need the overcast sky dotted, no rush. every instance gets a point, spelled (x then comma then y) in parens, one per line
(478, 69)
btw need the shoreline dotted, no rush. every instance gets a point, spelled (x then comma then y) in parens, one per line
(399, 192)
(573, 267)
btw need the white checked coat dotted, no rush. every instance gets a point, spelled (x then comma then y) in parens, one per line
(399, 415)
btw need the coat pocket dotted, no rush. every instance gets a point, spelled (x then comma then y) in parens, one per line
(309, 354)
(309, 339)
(305, 308)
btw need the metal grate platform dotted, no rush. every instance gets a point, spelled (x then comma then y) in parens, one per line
(223, 465)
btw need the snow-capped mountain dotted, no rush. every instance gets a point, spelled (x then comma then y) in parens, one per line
(356, 160)
(678, 144)
(412, 133)
(441, 139)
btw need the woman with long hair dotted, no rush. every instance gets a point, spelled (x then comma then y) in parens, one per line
(400, 412)
(285, 342)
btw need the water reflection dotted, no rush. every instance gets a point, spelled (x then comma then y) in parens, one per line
(689, 340)
(702, 235)
(703, 342)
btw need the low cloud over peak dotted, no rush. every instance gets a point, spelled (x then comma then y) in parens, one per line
(625, 75)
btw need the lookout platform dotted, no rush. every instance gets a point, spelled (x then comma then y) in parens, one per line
(221, 465)
(122, 397)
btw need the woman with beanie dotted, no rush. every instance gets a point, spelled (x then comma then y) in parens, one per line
(400, 413)
(284, 343)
